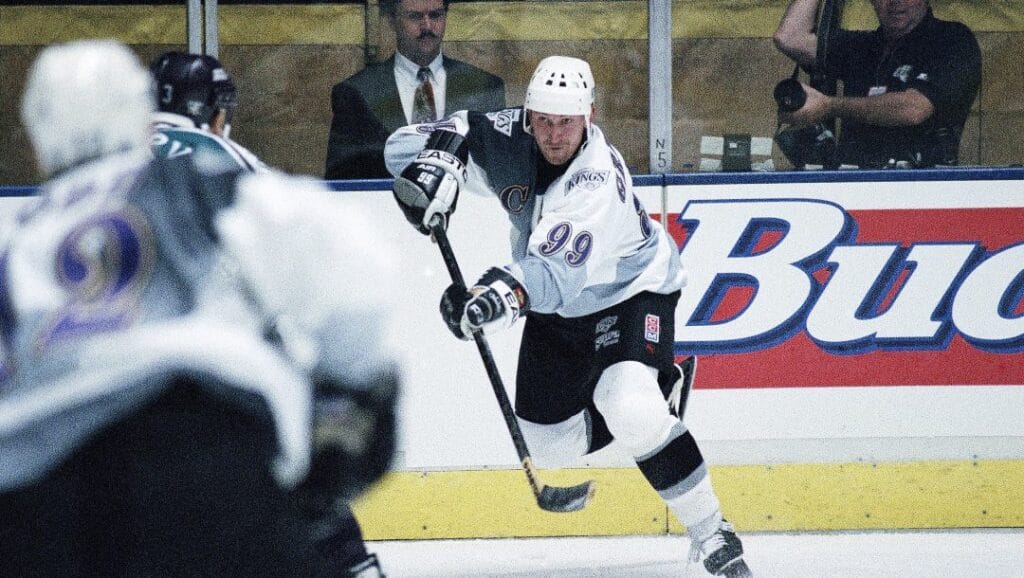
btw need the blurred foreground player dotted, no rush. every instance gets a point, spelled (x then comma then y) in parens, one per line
(595, 277)
(196, 101)
(182, 377)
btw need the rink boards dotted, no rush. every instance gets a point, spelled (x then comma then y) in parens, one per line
(891, 400)
(860, 351)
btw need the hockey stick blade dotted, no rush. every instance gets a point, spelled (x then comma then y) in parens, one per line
(565, 500)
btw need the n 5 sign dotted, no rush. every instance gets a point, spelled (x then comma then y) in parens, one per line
(814, 291)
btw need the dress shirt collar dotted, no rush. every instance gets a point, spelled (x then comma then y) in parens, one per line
(408, 68)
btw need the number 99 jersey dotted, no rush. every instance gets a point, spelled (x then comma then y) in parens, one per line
(581, 243)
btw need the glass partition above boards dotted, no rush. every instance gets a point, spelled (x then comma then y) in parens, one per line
(320, 85)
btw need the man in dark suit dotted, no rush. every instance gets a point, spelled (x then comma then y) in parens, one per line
(374, 102)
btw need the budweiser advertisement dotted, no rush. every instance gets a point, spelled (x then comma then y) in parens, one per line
(885, 283)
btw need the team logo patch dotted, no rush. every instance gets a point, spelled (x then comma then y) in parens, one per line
(605, 324)
(588, 178)
(903, 72)
(652, 328)
(605, 336)
(504, 120)
(430, 127)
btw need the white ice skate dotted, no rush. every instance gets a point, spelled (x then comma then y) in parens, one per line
(722, 553)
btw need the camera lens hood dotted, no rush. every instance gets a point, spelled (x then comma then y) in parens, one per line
(790, 95)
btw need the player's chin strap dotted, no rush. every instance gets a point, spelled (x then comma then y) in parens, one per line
(549, 498)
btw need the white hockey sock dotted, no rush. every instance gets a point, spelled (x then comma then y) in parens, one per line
(698, 509)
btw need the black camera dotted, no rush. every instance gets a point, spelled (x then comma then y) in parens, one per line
(790, 95)
(810, 145)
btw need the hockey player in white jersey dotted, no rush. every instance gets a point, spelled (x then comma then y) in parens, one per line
(596, 279)
(182, 376)
(196, 102)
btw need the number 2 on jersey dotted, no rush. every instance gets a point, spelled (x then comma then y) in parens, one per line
(103, 265)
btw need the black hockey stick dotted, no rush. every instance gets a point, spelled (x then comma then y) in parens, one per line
(681, 390)
(549, 498)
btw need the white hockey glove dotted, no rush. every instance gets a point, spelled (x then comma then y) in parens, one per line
(495, 302)
(315, 265)
(323, 277)
(429, 187)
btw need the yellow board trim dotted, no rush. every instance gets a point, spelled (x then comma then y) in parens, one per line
(787, 497)
(42, 25)
(292, 24)
(239, 24)
(533, 20)
(759, 19)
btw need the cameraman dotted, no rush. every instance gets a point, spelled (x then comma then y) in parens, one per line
(908, 86)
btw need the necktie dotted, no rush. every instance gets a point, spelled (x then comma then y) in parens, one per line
(423, 109)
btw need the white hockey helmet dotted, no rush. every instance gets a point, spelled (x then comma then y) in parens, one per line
(84, 100)
(561, 85)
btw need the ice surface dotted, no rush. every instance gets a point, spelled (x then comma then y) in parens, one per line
(912, 554)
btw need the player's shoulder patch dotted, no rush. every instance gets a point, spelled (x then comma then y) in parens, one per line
(504, 120)
(589, 178)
